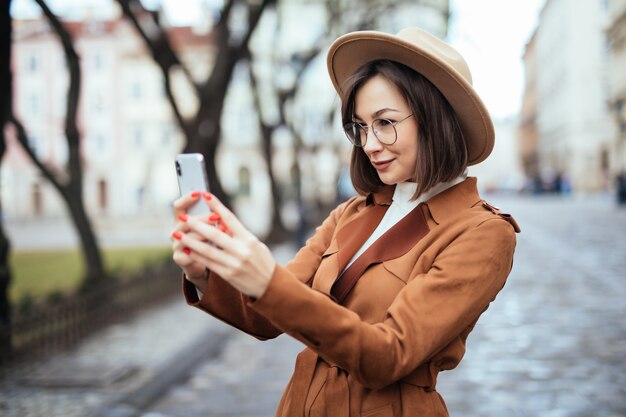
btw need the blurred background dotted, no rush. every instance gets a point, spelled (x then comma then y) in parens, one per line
(98, 96)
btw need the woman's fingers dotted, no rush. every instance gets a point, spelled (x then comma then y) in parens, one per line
(182, 203)
(233, 225)
(223, 245)
(200, 249)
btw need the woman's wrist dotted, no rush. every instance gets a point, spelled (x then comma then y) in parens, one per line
(199, 280)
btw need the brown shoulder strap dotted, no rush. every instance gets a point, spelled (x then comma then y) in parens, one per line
(505, 216)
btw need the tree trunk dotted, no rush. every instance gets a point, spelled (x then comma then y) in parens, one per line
(94, 266)
(278, 231)
(5, 105)
(70, 191)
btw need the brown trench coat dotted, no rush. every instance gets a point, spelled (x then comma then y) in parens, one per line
(406, 319)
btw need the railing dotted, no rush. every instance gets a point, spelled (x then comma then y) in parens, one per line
(50, 327)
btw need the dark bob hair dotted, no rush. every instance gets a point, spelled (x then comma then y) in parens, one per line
(442, 154)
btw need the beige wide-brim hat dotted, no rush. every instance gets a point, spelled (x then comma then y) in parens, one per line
(431, 57)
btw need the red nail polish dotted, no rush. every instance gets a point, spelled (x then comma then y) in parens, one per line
(177, 235)
(207, 196)
(214, 217)
(187, 250)
(223, 228)
(195, 194)
(182, 217)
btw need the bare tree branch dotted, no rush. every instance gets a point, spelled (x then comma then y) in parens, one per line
(163, 56)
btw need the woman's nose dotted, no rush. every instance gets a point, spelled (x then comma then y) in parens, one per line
(372, 144)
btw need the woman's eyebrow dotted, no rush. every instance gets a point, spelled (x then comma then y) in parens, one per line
(378, 113)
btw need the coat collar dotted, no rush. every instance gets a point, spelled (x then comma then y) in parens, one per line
(442, 205)
(382, 197)
(449, 202)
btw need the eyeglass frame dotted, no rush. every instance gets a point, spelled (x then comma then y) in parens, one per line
(367, 127)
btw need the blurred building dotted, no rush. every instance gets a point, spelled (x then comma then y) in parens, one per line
(566, 65)
(129, 136)
(616, 40)
(501, 172)
(126, 124)
(528, 137)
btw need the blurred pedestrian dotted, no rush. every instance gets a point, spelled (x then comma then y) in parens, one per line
(620, 182)
(386, 291)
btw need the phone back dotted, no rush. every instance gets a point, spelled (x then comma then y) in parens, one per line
(191, 173)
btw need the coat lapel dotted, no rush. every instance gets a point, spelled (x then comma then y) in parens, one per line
(394, 243)
(353, 235)
(350, 236)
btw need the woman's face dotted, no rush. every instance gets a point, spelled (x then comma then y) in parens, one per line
(380, 99)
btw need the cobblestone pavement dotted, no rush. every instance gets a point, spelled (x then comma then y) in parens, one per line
(142, 345)
(552, 345)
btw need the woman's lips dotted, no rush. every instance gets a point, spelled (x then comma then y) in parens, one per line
(382, 165)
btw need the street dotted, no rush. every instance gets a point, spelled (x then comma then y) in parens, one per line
(552, 344)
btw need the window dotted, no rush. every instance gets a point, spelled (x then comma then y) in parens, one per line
(98, 61)
(33, 104)
(33, 63)
(244, 182)
(37, 199)
(137, 137)
(102, 194)
(136, 91)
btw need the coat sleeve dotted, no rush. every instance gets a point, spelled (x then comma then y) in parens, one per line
(226, 303)
(426, 315)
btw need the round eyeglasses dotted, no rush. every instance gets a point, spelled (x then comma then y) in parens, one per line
(384, 130)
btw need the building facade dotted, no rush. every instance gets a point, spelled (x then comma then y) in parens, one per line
(128, 135)
(568, 62)
(527, 135)
(616, 40)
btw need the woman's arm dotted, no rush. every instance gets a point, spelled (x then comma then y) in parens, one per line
(426, 315)
(251, 267)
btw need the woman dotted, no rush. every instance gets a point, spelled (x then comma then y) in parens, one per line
(388, 288)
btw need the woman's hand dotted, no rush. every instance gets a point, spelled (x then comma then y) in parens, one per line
(229, 249)
(194, 271)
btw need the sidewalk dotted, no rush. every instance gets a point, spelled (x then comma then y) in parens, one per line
(136, 354)
(122, 369)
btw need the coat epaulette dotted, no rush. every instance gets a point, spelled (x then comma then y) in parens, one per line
(505, 216)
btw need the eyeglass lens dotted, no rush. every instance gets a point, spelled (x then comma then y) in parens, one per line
(382, 128)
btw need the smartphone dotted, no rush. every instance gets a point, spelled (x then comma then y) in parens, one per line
(191, 173)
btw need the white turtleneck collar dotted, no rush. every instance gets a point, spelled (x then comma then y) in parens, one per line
(405, 190)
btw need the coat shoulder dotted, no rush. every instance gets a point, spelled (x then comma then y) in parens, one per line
(495, 212)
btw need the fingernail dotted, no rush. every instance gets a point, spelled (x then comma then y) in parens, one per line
(182, 217)
(213, 217)
(207, 196)
(195, 194)
(223, 228)
(187, 250)
(177, 235)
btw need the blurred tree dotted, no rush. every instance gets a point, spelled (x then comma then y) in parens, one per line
(342, 17)
(5, 111)
(68, 183)
(203, 130)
